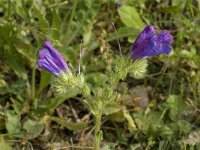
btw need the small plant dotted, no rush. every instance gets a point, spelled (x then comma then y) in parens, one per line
(148, 43)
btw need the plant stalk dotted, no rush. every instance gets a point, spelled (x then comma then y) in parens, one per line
(33, 83)
(97, 139)
(33, 76)
(70, 20)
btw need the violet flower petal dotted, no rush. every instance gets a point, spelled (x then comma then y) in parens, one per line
(60, 61)
(149, 43)
(51, 60)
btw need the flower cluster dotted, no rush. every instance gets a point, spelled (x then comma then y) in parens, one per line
(149, 43)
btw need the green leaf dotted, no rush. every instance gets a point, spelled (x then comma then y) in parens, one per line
(33, 127)
(3, 86)
(130, 17)
(166, 131)
(83, 19)
(44, 80)
(41, 14)
(18, 87)
(151, 123)
(14, 60)
(178, 2)
(185, 126)
(21, 9)
(131, 124)
(51, 104)
(56, 25)
(117, 116)
(122, 32)
(26, 51)
(69, 125)
(13, 124)
(176, 106)
(17, 105)
(4, 145)
(96, 79)
(111, 108)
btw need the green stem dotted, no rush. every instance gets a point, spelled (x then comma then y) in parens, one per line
(71, 18)
(33, 75)
(97, 131)
(33, 83)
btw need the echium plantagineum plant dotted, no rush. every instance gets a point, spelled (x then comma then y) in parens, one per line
(148, 43)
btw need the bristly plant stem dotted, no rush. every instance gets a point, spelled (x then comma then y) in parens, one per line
(97, 131)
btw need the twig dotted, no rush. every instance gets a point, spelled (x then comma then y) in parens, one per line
(72, 143)
(74, 112)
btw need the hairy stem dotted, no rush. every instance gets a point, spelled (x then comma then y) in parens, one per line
(97, 131)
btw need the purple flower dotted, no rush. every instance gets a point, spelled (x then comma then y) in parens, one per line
(118, 4)
(51, 60)
(149, 43)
